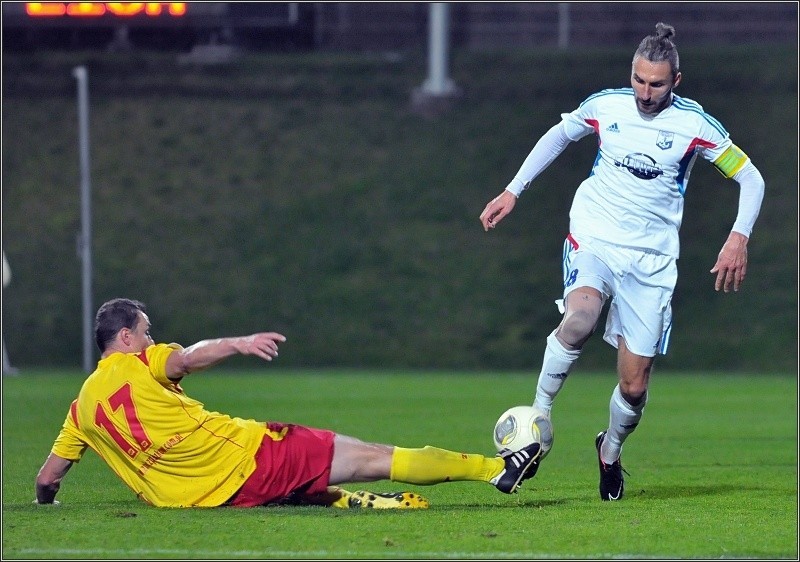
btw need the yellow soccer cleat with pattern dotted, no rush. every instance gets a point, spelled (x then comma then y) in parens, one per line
(363, 499)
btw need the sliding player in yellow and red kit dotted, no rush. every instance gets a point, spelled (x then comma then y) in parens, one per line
(173, 452)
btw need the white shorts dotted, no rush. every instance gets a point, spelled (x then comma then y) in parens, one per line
(639, 282)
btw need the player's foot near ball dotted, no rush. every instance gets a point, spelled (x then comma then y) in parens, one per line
(519, 465)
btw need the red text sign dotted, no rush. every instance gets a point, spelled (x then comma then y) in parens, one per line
(95, 9)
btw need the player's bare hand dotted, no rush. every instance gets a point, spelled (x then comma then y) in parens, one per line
(264, 344)
(731, 266)
(496, 209)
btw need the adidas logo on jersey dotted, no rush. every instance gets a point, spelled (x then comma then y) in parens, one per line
(613, 128)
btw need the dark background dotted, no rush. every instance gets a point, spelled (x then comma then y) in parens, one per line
(292, 184)
(382, 26)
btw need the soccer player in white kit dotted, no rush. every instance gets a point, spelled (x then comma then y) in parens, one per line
(623, 242)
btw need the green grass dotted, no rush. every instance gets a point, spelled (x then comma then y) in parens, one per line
(713, 472)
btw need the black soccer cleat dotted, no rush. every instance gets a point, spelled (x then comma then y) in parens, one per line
(612, 484)
(519, 465)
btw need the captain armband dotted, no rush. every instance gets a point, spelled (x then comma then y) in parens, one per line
(730, 161)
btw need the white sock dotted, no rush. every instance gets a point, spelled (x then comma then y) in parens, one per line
(556, 366)
(623, 419)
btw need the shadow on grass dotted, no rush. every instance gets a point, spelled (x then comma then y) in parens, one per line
(671, 492)
(648, 494)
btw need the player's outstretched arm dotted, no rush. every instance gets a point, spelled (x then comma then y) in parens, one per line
(731, 266)
(206, 353)
(547, 149)
(48, 481)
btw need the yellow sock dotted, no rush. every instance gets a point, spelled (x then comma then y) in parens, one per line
(431, 465)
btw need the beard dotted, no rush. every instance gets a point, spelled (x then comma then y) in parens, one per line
(653, 107)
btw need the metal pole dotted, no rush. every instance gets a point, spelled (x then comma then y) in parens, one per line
(85, 237)
(438, 84)
(563, 25)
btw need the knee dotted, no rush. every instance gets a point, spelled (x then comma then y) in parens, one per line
(634, 391)
(577, 327)
(355, 460)
(372, 461)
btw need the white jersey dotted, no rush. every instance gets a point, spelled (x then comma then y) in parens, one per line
(634, 195)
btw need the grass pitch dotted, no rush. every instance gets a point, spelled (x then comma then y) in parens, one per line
(713, 472)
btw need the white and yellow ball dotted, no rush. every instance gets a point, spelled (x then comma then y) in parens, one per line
(520, 426)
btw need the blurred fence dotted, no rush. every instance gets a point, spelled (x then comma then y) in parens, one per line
(491, 25)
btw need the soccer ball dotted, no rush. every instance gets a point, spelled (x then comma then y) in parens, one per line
(520, 426)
